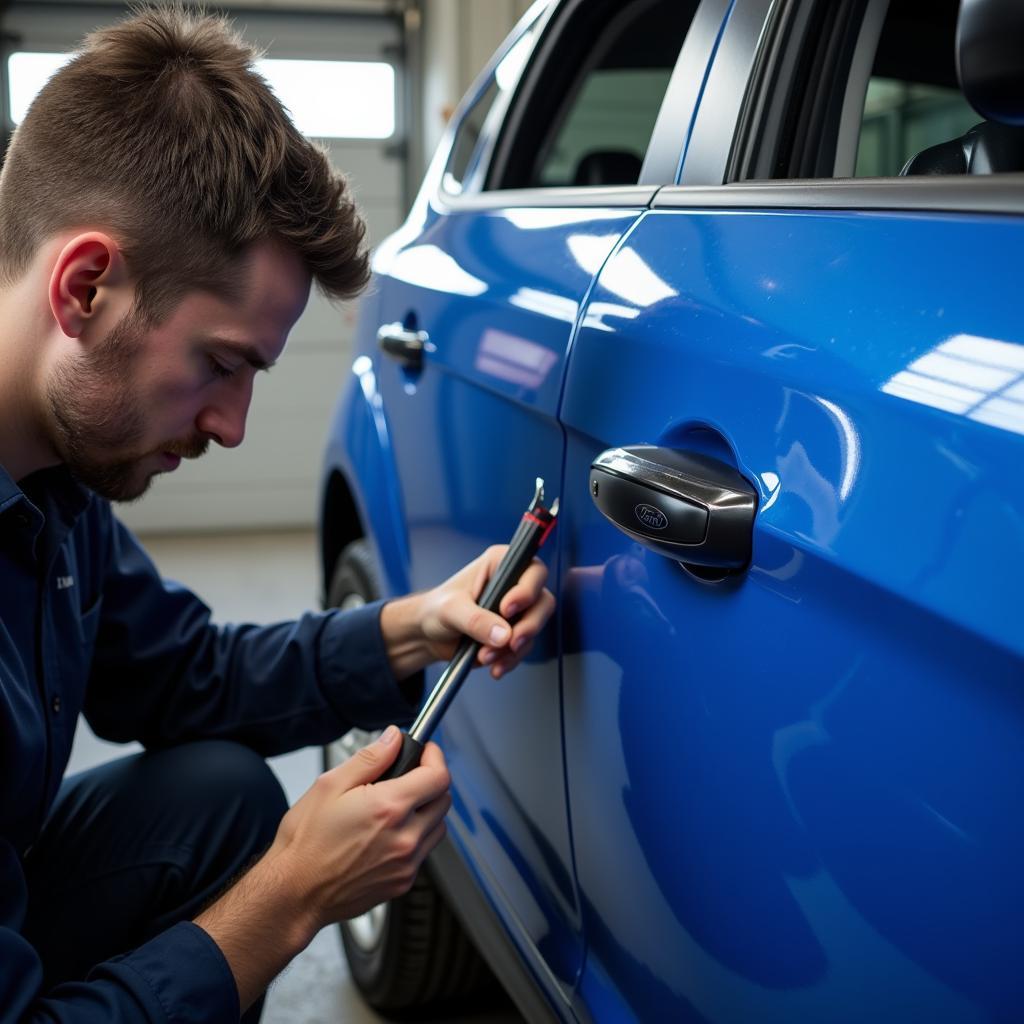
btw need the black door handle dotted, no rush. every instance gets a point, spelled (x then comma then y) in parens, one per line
(403, 345)
(692, 508)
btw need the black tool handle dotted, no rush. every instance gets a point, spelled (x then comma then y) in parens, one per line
(524, 545)
(408, 758)
(532, 531)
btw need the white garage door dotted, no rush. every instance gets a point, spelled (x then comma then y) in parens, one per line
(272, 479)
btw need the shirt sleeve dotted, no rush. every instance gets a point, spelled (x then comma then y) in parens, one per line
(163, 673)
(180, 975)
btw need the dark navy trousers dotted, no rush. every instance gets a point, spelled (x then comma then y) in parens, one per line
(137, 845)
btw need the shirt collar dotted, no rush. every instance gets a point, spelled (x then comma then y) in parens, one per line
(10, 492)
(54, 491)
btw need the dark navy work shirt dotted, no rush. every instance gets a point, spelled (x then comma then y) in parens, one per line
(87, 625)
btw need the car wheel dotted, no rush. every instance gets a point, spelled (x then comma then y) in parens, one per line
(409, 953)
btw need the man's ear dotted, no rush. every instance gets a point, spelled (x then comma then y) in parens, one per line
(88, 267)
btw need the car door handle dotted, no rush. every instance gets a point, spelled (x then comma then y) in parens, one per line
(692, 508)
(403, 345)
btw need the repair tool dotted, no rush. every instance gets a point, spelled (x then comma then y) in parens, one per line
(537, 522)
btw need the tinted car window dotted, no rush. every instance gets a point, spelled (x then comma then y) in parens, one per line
(590, 105)
(467, 153)
(467, 137)
(833, 94)
(913, 99)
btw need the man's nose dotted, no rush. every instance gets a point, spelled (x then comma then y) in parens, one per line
(224, 419)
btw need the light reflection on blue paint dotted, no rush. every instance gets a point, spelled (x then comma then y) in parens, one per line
(979, 378)
(427, 266)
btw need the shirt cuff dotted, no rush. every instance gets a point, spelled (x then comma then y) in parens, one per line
(357, 675)
(183, 970)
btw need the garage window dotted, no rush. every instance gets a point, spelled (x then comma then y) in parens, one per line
(319, 94)
(27, 73)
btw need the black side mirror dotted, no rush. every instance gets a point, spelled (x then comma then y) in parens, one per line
(990, 58)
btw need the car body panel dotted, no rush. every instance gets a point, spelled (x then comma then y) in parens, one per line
(359, 451)
(498, 295)
(788, 796)
(810, 771)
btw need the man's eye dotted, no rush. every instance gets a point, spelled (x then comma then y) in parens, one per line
(219, 369)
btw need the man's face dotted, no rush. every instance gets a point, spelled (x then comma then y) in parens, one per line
(138, 401)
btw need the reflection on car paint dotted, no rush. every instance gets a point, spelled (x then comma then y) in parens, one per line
(558, 307)
(431, 267)
(516, 360)
(979, 378)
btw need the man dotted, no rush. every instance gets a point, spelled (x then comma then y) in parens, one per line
(161, 222)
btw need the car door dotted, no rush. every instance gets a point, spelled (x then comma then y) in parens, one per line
(794, 791)
(476, 299)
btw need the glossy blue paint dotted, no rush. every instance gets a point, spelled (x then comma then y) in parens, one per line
(498, 295)
(360, 451)
(805, 778)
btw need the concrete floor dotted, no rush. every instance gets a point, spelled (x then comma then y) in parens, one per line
(266, 577)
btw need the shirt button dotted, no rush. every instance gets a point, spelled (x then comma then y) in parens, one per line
(55, 704)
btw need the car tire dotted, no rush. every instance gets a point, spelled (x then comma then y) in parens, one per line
(411, 953)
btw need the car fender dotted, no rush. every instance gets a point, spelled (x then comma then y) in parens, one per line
(359, 459)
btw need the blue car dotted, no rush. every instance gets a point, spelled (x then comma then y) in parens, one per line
(741, 280)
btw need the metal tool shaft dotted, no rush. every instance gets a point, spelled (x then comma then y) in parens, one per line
(520, 552)
(533, 528)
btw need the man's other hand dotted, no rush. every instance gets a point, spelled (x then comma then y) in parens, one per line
(349, 845)
(429, 626)
(343, 848)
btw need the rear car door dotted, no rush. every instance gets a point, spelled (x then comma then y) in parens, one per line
(794, 792)
(476, 299)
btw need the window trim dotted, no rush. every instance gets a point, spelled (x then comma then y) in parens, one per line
(668, 146)
(706, 156)
(764, 102)
(985, 194)
(606, 197)
(535, 20)
(667, 141)
(483, 157)
(764, 109)
(848, 140)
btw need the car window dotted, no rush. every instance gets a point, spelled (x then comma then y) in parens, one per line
(851, 89)
(467, 151)
(467, 138)
(591, 101)
(913, 99)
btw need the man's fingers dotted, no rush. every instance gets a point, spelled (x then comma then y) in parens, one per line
(367, 764)
(430, 814)
(432, 839)
(506, 664)
(524, 633)
(424, 784)
(533, 619)
(465, 616)
(526, 590)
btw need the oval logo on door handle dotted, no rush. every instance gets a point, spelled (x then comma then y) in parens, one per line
(651, 517)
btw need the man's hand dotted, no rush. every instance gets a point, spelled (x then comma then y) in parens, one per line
(429, 626)
(343, 848)
(351, 845)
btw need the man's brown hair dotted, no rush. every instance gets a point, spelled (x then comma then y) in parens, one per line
(160, 131)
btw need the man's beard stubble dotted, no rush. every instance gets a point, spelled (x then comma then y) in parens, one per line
(96, 413)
